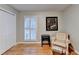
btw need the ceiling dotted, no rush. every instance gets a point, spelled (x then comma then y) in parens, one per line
(39, 7)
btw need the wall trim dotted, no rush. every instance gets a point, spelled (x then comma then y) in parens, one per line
(28, 42)
(19, 43)
(8, 49)
(2, 9)
(76, 51)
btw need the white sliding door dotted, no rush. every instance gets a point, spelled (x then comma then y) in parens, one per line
(7, 30)
(30, 28)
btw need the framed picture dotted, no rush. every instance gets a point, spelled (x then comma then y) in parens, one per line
(51, 23)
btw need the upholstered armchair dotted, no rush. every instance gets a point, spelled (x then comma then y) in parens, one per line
(60, 43)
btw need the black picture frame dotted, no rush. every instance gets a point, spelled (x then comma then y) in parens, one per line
(51, 23)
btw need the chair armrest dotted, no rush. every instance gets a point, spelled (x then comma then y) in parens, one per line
(67, 45)
(53, 39)
(67, 41)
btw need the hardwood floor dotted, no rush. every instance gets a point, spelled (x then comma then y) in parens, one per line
(30, 49)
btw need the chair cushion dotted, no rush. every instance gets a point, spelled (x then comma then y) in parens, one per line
(63, 44)
(58, 49)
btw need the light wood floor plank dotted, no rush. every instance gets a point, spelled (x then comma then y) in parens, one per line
(31, 49)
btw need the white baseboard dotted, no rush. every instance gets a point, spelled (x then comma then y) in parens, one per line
(7, 49)
(28, 42)
(18, 43)
(76, 52)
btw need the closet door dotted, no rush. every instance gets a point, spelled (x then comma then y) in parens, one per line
(7, 30)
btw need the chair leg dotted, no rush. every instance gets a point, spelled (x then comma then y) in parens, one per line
(41, 43)
(53, 52)
(49, 43)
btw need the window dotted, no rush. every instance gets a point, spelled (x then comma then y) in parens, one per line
(30, 26)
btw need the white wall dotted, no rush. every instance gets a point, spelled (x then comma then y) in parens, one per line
(71, 21)
(41, 23)
(7, 28)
